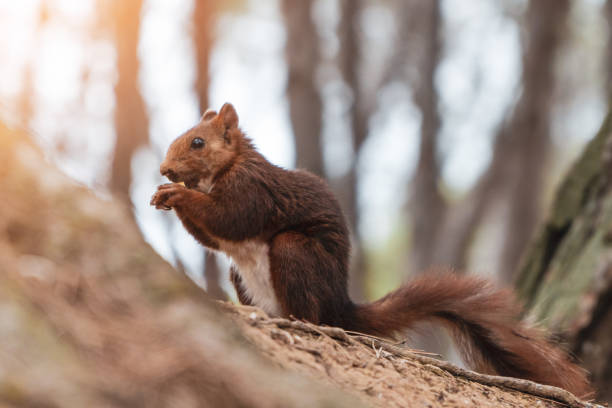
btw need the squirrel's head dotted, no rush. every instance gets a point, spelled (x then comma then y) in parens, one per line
(199, 154)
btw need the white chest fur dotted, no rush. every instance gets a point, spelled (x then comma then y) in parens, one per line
(253, 264)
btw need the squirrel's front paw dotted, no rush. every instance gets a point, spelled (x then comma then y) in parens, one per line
(168, 196)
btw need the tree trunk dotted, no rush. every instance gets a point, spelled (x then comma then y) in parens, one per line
(212, 276)
(349, 62)
(131, 120)
(203, 20)
(514, 177)
(203, 23)
(305, 106)
(566, 277)
(427, 205)
(529, 129)
(608, 56)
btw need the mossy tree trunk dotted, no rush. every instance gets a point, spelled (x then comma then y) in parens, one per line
(566, 276)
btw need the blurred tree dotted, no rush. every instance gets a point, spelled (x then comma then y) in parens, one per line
(25, 101)
(566, 276)
(515, 175)
(305, 106)
(415, 61)
(26, 96)
(203, 20)
(131, 119)
(360, 109)
(427, 205)
(441, 230)
(608, 64)
(525, 143)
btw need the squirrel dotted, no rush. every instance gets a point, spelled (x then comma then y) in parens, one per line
(289, 245)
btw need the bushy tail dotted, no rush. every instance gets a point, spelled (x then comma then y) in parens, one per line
(485, 324)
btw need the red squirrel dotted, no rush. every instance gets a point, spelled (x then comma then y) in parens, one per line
(288, 240)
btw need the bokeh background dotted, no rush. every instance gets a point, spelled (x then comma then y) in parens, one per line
(442, 126)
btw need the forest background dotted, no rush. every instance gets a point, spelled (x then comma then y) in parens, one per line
(444, 127)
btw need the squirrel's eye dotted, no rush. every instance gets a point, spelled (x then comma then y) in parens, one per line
(197, 143)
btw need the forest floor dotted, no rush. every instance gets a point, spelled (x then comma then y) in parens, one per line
(381, 373)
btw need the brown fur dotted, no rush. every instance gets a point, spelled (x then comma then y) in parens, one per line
(234, 195)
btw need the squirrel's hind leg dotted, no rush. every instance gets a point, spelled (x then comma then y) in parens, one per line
(304, 281)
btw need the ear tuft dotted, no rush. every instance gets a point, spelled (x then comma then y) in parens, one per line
(209, 114)
(228, 116)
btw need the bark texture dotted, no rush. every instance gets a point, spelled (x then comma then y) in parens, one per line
(566, 277)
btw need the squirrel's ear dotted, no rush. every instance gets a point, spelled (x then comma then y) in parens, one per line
(209, 114)
(228, 116)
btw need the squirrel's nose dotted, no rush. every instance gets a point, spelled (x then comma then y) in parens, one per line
(165, 169)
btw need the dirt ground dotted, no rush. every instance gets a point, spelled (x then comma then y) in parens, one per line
(379, 373)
